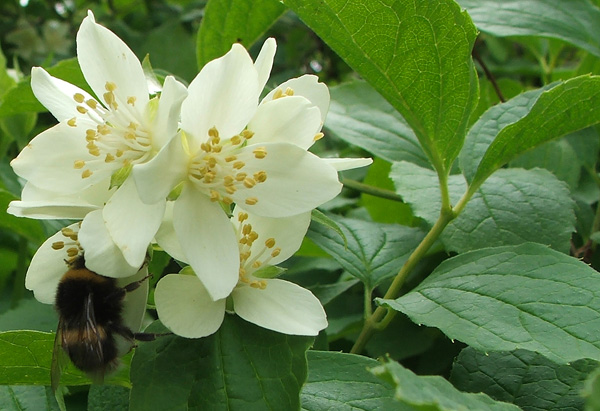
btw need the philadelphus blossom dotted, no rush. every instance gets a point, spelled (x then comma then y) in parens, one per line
(231, 149)
(49, 264)
(186, 308)
(69, 167)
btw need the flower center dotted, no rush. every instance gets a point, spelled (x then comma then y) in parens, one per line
(218, 171)
(119, 138)
(250, 262)
(70, 244)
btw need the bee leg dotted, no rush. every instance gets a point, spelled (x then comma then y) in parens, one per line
(149, 336)
(134, 285)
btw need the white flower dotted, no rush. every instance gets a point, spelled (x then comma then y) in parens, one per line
(186, 308)
(234, 150)
(49, 265)
(68, 167)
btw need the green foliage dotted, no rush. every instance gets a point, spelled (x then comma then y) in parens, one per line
(470, 299)
(242, 366)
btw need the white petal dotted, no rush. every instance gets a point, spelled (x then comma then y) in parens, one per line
(297, 181)
(155, 179)
(166, 236)
(131, 223)
(208, 241)
(306, 86)
(48, 160)
(290, 119)
(43, 204)
(282, 306)
(57, 95)
(288, 233)
(169, 107)
(47, 268)
(341, 164)
(104, 57)
(264, 61)
(223, 95)
(101, 253)
(185, 307)
(134, 306)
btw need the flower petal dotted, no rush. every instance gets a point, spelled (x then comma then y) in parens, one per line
(166, 236)
(48, 160)
(134, 306)
(57, 95)
(282, 306)
(101, 253)
(288, 233)
(264, 61)
(155, 179)
(43, 204)
(223, 95)
(307, 86)
(208, 241)
(289, 119)
(297, 181)
(169, 107)
(185, 307)
(131, 223)
(104, 57)
(47, 267)
(341, 164)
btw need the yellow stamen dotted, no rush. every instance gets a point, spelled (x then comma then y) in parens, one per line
(109, 158)
(249, 182)
(58, 245)
(110, 86)
(238, 165)
(270, 242)
(214, 195)
(72, 122)
(131, 100)
(78, 164)
(229, 159)
(92, 103)
(318, 136)
(82, 109)
(86, 173)
(78, 97)
(251, 200)
(260, 152)
(275, 252)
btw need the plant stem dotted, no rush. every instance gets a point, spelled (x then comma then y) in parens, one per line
(372, 323)
(374, 191)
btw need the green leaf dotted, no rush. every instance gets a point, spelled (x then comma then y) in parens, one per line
(359, 115)
(523, 378)
(233, 21)
(487, 127)
(20, 99)
(568, 107)
(433, 392)
(374, 252)
(417, 54)
(29, 314)
(515, 206)
(420, 188)
(342, 382)
(27, 397)
(25, 358)
(324, 220)
(241, 367)
(591, 392)
(327, 292)
(574, 21)
(515, 297)
(108, 398)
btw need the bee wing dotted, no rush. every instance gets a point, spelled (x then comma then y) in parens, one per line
(91, 334)
(59, 357)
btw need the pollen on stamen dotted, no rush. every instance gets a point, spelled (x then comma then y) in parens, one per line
(103, 129)
(119, 153)
(131, 100)
(227, 200)
(249, 182)
(86, 173)
(260, 176)
(78, 97)
(110, 86)
(235, 140)
(229, 159)
(82, 109)
(67, 232)
(247, 134)
(239, 165)
(242, 217)
(78, 164)
(318, 136)
(58, 245)
(260, 152)
(230, 189)
(72, 122)
(270, 242)
(251, 200)
(214, 195)
(278, 94)
(92, 104)
(72, 252)
(213, 132)
(247, 229)
(289, 91)
(228, 180)
(109, 158)
(275, 252)
(240, 176)
(256, 264)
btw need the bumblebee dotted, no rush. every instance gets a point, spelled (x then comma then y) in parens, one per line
(90, 309)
